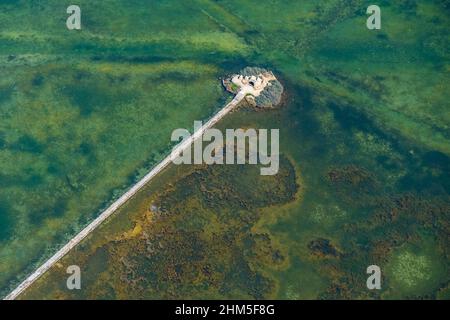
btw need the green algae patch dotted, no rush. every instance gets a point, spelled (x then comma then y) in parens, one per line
(415, 270)
(411, 270)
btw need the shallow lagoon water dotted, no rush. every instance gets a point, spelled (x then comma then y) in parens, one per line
(84, 115)
(364, 126)
(336, 207)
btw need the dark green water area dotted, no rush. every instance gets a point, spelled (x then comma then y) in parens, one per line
(364, 142)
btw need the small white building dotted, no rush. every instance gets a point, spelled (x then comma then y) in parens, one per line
(253, 85)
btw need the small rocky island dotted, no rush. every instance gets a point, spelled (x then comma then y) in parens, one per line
(262, 88)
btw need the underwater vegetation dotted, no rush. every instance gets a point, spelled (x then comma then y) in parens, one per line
(84, 116)
(364, 141)
(217, 252)
(79, 139)
(214, 232)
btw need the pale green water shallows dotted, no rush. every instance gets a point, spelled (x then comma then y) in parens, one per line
(84, 114)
